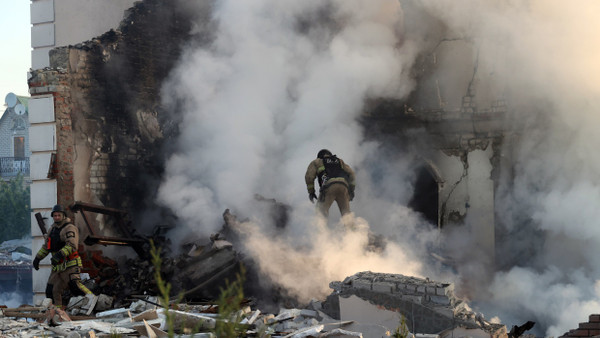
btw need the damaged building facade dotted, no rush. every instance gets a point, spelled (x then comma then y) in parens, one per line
(99, 132)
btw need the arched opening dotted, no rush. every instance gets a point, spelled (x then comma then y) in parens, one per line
(425, 198)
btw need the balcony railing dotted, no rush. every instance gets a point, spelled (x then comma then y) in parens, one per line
(12, 166)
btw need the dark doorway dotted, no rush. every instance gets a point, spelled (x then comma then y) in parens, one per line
(425, 196)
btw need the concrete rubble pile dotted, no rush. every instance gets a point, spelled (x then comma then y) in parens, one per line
(429, 307)
(413, 305)
(15, 252)
(144, 319)
(124, 304)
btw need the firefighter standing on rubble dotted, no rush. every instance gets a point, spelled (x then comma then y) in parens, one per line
(62, 242)
(336, 181)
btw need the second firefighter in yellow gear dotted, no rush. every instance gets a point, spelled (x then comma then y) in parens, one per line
(336, 181)
(62, 243)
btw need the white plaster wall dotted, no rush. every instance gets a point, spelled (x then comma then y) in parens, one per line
(35, 228)
(58, 23)
(41, 11)
(42, 137)
(39, 165)
(40, 58)
(43, 194)
(81, 20)
(41, 109)
(42, 35)
(43, 197)
(453, 191)
(472, 195)
(481, 199)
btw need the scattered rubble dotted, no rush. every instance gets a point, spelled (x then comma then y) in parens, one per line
(125, 303)
(428, 306)
(423, 306)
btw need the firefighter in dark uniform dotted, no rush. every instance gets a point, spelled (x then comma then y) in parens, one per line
(61, 243)
(336, 181)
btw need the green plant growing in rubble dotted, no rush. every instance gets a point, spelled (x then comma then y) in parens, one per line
(114, 334)
(164, 288)
(402, 330)
(229, 304)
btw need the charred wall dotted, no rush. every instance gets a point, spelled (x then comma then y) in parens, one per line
(112, 132)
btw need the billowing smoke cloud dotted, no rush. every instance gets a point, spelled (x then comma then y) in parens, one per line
(280, 81)
(548, 202)
(283, 79)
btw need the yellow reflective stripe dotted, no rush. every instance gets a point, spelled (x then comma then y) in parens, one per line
(73, 262)
(310, 186)
(66, 250)
(42, 253)
(321, 168)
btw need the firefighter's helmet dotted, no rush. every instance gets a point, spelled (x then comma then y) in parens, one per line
(323, 152)
(58, 208)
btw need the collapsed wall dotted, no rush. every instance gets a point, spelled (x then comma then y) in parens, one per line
(428, 306)
(110, 127)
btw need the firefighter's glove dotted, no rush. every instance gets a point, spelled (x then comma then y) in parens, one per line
(36, 263)
(351, 192)
(312, 197)
(57, 257)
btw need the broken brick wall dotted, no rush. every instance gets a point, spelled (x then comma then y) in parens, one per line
(110, 125)
(57, 83)
(588, 329)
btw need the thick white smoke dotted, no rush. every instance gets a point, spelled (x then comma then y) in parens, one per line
(549, 201)
(283, 79)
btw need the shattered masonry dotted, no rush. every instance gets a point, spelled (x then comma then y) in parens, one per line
(431, 306)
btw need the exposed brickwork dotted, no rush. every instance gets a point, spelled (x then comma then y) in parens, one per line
(589, 329)
(109, 124)
(56, 82)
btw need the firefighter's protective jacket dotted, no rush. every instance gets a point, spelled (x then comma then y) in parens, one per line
(317, 167)
(62, 242)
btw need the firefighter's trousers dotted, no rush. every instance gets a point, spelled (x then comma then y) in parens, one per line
(334, 192)
(59, 281)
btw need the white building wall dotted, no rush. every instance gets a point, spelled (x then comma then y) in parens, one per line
(91, 17)
(480, 216)
(469, 192)
(57, 23)
(453, 191)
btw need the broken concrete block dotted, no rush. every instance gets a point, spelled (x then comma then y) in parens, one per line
(291, 325)
(146, 315)
(103, 302)
(362, 284)
(309, 313)
(75, 303)
(413, 298)
(115, 312)
(150, 330)
(442, 300)
(46, 303)
(383, 287)
(341, 333)
(188, 320)
(286, 314)
(268, 318)
(250, 320)
(221, 244)
(312, 331)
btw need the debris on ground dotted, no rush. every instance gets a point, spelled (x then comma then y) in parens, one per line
(91, 315)
(127, 303)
